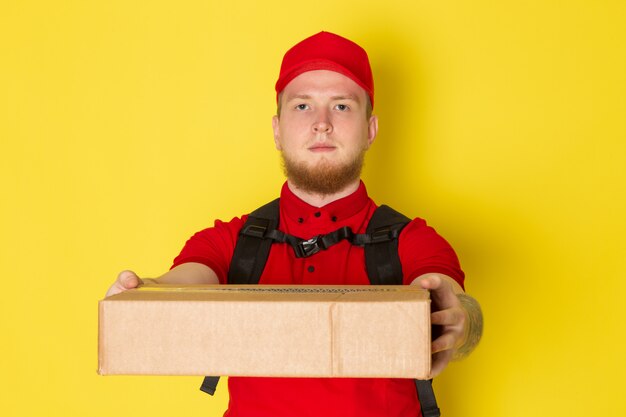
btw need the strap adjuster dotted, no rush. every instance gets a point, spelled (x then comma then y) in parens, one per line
(382, 235)
(255, 230)
(385, 234)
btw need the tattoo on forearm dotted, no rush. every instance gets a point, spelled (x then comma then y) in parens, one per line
(475, 326)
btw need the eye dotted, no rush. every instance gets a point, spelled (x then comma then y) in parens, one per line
(302, 107)
(342, 107)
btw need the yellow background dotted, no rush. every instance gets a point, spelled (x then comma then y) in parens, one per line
(126, 126)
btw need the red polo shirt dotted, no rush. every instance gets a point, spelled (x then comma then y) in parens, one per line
(421, 250)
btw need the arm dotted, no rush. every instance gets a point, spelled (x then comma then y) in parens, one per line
(459, 316)
(185, 274)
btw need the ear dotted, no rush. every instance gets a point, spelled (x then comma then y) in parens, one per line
(372, 130)
(276, 129)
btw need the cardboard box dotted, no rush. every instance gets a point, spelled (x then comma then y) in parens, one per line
(288, 331)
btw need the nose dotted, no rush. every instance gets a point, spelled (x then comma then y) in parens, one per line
(322, 123)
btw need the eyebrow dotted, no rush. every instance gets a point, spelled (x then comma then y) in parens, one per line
(346, 97)
(339, 97)
(299, 96)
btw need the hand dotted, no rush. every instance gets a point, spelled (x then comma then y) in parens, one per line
(447, 312)
(126, 280)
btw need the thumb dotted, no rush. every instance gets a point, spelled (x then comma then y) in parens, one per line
(441, 292)
(128, 280)
(431, 282)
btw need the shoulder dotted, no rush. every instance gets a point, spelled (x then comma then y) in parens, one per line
(423, 250)
(419, 235)
(222, 228)
(213, 246)
(416, 232)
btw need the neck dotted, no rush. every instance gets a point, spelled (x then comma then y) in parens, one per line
(320, 200)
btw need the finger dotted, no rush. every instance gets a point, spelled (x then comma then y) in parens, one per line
(116, 288)
(447, 341)
(113, 290)
(448, 317)
(440, 361)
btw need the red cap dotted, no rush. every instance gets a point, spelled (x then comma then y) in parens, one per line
(327, 51)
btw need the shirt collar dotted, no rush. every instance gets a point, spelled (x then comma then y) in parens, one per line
(340, 209)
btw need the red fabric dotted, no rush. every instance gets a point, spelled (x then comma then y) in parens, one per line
(421, 250)
(327, 51)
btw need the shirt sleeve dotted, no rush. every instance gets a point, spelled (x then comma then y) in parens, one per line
(213, 247)
(422, 250)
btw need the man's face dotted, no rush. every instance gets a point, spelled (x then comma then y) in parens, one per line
(323, 131)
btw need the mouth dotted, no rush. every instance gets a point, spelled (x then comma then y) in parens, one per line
(322, 148)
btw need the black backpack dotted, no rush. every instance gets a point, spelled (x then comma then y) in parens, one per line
(382, 261)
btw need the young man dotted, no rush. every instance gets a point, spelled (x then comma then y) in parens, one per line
(323, 128)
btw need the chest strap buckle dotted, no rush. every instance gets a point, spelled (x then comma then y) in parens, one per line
(309, 247)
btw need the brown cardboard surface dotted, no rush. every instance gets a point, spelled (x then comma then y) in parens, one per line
(290, 331)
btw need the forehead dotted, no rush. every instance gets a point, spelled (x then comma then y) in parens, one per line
(323, 83)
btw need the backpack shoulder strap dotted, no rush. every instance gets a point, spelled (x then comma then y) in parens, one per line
(381, 254)
(249, 258)
(426, 395)
(253, 247)
(384, 268)
(209, 384)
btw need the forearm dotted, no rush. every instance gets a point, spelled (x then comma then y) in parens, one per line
(473, 326)
(191, 273)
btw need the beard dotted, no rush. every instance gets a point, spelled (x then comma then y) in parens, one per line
(324, 178)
